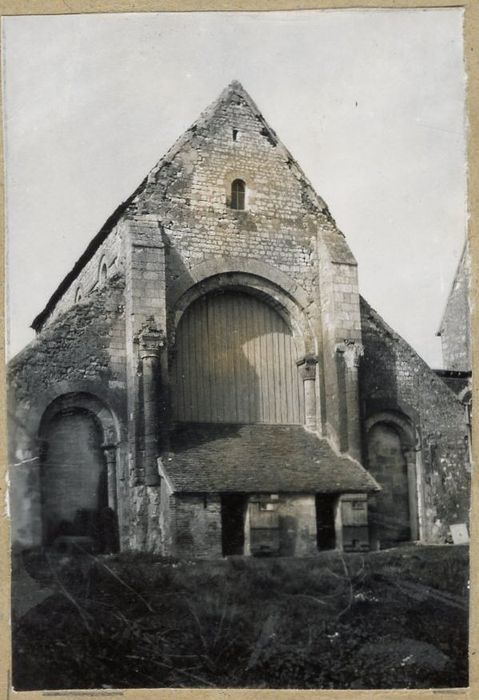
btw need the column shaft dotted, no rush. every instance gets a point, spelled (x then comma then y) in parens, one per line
(150, 418)
(111, 478)
(351, 352)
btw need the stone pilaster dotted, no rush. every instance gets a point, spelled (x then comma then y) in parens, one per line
(110, 456)
(144, 303)
(410, 456)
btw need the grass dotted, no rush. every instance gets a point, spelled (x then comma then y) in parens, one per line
(396, 618)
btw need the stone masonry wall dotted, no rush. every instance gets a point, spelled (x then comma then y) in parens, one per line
(393, 377)
(297, 524)
(144, 305)
(196, 526)
(284, 224)
(190, 194)
(83, 350)
(183, 209)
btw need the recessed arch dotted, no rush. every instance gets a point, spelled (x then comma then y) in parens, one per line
(235, 361)
(273, 287)
(235, 264)
(392, 447)
(89, 402)
(79, 437)
(102, 271)
(401, 424)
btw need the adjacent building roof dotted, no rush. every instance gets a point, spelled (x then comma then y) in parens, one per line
(220, 458)
(462, 268)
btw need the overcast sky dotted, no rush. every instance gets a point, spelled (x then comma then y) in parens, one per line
(370, 103)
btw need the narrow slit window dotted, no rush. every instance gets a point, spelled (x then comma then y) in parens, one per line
(235, 134)
(238, 192)
(103, 273)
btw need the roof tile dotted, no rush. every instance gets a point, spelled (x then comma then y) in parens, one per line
(208, 458)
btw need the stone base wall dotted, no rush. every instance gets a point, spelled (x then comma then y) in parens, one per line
(195, 523)
(297, 525)
(195, 526)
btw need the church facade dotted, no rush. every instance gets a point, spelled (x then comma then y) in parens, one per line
(208, 381)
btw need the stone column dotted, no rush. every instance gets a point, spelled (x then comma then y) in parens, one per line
(110, 456)
(351, 351)
(307, 368)
(410, 456)
(151, 341)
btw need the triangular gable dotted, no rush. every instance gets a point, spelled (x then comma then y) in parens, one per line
(334, 239)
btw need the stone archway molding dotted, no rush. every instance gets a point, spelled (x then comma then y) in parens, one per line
(255, 277)
(465, 396)
(251, 266)
(107, 421)
(402, 424)
(88, 402)
(411, 451)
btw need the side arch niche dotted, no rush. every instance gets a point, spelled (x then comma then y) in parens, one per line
(78, 482)
(391, 459)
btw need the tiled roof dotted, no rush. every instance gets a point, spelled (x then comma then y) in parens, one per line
(209, 458)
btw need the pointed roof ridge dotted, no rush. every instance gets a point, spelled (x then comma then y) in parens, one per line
(234, 87)
(462, 260)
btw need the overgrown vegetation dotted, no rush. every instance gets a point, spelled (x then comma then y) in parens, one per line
(389, 619)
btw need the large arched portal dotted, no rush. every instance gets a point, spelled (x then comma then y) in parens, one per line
(393, 513)
(74, 480)
(235, 362)
(78, 473)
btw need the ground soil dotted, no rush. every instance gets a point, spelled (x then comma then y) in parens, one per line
(390, 619)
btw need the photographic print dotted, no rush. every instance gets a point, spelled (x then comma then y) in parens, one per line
(239, 360)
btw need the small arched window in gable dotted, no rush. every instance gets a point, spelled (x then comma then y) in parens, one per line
(238, 194)
(78, 295)
(103, 272)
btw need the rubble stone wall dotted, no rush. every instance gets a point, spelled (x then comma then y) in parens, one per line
(394, 378)
(82, 352)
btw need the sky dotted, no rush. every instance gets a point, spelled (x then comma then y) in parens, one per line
(369, 102)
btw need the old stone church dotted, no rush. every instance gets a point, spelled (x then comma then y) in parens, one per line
(208, 381)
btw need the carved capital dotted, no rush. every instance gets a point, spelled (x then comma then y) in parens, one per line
(352, 351)
(151, 339)
(307, 367)
(109, 450)
(409, 453)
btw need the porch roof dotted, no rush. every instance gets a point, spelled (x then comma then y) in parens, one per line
(224, 458)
